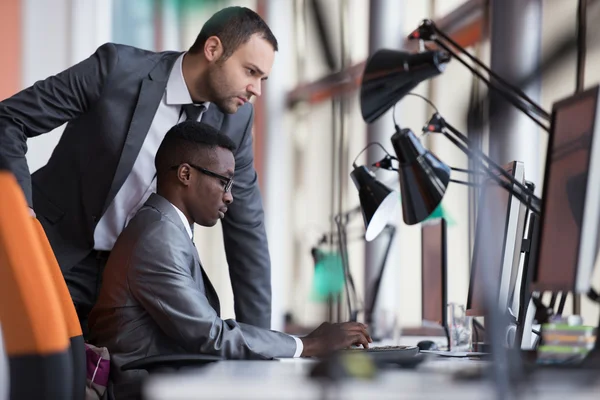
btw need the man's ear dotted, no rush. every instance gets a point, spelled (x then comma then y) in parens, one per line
(213, 48)
(184, 174)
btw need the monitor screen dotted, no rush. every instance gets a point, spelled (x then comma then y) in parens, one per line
(497, 248)
(570, 199)
(433, 271)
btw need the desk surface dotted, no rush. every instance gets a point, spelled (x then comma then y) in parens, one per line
(288, 379)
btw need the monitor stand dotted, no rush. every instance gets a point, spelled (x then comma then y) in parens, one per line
(529, 248)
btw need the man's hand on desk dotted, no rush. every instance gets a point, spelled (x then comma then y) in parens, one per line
(331, 337)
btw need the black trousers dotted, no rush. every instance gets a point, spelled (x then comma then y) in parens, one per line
(84, 281)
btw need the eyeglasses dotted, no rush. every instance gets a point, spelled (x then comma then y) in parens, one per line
(227, 182)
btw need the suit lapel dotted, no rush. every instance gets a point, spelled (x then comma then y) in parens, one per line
(211, 293)
(151, 92)
(164, 207)
(213, 117)
(209, 289)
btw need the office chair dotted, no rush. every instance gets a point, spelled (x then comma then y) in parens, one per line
(36, 343)
(3, 370)
(76, 342)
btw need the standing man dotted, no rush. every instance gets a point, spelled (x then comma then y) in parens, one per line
(118, 104)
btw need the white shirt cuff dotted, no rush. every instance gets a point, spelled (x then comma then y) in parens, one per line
(299, 347)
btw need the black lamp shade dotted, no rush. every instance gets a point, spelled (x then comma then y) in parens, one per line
(423, 177)
(390, 74)
(378, 203)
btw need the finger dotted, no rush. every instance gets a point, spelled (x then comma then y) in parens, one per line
(357, 327)
(358, 339)
(352, 326)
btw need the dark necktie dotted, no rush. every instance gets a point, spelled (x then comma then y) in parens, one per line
(192, 112)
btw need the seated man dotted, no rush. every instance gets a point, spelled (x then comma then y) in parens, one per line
(156, 298)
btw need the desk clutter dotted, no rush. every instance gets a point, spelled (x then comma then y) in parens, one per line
(563, 343)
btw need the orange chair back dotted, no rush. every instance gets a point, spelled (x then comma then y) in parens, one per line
(31, 315)
(64, 297)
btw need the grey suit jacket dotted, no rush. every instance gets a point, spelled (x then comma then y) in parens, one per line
(155, 299)
(109, 101)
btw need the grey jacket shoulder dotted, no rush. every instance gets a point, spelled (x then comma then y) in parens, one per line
(133, 61)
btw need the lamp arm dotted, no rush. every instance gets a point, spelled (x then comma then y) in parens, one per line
(466, 183)
(536, 108)
(501, 90)
(347, 214)
(498, 169)
(522, 193)
(341, 228)
(467, 171)
(428, 27)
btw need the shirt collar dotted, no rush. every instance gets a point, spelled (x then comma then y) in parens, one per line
(188, 228)
(177, 91)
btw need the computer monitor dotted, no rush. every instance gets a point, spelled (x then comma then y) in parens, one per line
(571, 197)
(501, 216)
(434, 280)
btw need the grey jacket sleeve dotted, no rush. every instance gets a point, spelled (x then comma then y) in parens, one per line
(160, 279)
(47, 105)
(246, 241)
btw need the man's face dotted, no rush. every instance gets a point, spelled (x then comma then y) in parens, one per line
(233, 82)
(207, 197)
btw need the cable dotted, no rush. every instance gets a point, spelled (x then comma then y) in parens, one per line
(425, 99)
(366, 147)
(416, 95)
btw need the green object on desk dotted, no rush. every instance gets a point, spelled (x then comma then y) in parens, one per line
(341, 366)
(440, 212)
(329, 276)
(359, 366)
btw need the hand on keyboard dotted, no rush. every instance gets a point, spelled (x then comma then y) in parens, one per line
(328, 338)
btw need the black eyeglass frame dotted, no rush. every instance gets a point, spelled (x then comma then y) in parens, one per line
(228, 181)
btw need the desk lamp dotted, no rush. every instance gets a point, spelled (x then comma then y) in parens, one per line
(378, 203)
(423, 177)
(429, 32)
(390, 74)
(427, 177)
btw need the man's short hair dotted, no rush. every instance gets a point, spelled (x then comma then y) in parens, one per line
(233, 26)
(186, 142)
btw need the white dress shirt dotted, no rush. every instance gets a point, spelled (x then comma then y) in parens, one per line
(141, 181)
(188, 228)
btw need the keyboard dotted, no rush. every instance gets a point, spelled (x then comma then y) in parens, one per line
(381, 348)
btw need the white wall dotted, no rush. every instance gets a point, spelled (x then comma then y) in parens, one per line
(56, 35)
(45, 52)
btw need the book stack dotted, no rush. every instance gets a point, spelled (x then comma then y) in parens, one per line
(565, 344)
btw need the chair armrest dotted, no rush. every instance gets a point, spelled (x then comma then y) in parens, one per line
(170, 361)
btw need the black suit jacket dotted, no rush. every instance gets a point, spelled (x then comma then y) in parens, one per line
(109, 101)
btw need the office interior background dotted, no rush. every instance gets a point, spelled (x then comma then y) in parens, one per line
(305, 139)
